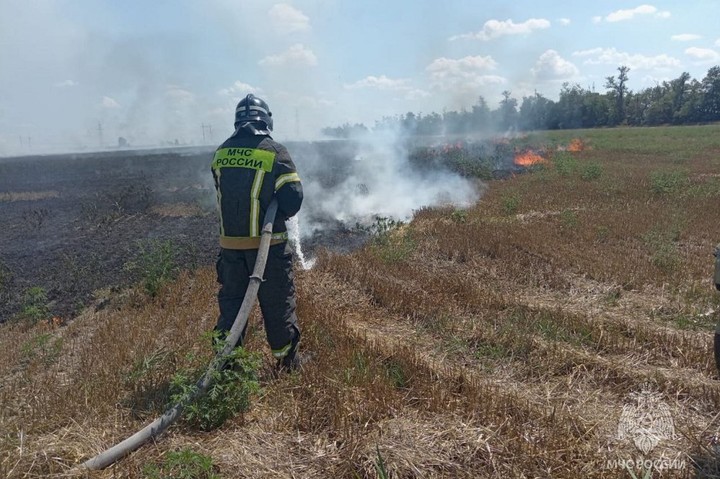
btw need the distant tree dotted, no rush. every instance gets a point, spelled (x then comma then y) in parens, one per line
(711, 95)
(430, 124)
(618, 90)
(568, 111)
(409, 123)
(595, 109)
(678, 91)
(344, 131)
(508, 114)
(679, 101)
(454, 122)
(535, 112)
(480, 115)
(691, 108)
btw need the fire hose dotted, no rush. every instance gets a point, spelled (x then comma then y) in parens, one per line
(159, 425)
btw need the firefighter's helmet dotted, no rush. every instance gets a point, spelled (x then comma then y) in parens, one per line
(253, 109)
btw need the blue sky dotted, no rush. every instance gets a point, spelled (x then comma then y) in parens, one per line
(156, 71)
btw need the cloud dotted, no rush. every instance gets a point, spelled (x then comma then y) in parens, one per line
(630, 14)
(66, 84)
(416, 94)
(717, 42)
(685, 37)
(380, 83)
(296, 55)
(597, 19)
(564, 21)
(551, 66)
(498, 28)
(383, 83)
(316, 102)
(288, 19)
(240, 89)
(703, 54)
(610, 56)
(108, 102)
(467, 72)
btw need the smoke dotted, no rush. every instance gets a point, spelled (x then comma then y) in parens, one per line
(368, 177)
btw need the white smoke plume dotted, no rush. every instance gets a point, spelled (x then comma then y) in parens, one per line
(371, 177)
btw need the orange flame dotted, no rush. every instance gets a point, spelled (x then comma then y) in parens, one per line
(529, 159)
(576, 145)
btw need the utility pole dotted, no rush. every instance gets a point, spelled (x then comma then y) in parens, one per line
(100, 134)
(21, 142)
(209, 130)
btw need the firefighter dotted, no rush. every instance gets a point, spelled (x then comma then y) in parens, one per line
(249, 169)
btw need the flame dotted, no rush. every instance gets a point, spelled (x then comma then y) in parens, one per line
(529, 159)
(576, 144)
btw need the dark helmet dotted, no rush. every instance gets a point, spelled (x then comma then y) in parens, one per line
(252, 108)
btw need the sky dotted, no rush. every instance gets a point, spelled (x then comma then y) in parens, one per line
(75, 75)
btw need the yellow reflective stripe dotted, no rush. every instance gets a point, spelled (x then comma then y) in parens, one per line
(281, 353)
(255, 203)
(247, 242)
(286, 178)
(244, 158)
(219, 203)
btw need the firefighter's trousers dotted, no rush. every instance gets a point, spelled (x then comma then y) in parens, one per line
(276, 294)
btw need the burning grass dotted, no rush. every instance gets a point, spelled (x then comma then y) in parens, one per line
(502, 341)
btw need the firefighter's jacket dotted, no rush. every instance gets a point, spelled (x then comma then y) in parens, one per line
(250, 168)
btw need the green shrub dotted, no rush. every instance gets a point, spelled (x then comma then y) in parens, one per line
(668, 182)
(590, 171)
(664, 251)
(380, 467)
(228, 395)
(565, 164)
(389, 243)
(396, 374)
(459, 216)
(155, 264)
(182, 464)
(44, 347)
(569, 218)
(35, 305)
(510, 203)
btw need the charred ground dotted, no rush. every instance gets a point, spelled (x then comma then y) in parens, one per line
(72, 224)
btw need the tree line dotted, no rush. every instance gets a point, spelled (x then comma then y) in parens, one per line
(681, 101)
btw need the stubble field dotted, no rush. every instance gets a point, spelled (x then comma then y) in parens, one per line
(555, 329)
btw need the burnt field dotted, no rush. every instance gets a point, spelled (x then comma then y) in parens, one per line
(71, 224)
(76, 227)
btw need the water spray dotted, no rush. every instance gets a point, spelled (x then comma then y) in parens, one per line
(294, 234)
